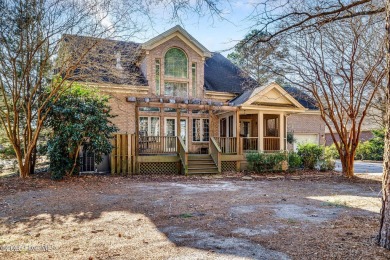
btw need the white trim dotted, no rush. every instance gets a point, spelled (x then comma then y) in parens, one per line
(183, 35)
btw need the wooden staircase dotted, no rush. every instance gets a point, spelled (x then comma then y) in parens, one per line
(201, 164)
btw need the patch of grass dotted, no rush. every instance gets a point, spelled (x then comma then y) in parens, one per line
(186, 215)
(336, 203)
(292, 221)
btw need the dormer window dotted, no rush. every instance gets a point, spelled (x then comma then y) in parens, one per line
(176, 63)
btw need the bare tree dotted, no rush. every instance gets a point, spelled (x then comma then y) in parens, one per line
(30, 37)
(290, 17)
(342, 74)
(260, 61)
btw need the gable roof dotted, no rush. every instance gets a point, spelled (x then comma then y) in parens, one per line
(259, 95)
(108, 61)
(181, 33)
(305, 100)
(220, 74)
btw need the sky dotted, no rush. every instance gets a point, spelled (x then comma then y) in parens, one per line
(216, 33)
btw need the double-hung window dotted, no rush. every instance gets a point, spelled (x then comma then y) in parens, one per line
(200, 130)
(149, 126)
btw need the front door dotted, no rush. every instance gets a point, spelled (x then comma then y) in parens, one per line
(170, 134)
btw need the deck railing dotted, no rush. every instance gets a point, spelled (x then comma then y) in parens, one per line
(183, 154)
(215, 152)
(271, 143)
(157, 144)
(250, 144)
(227, 144)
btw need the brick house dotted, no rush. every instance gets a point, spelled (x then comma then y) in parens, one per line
(187, 109)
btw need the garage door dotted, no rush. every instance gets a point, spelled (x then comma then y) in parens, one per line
(304, 139)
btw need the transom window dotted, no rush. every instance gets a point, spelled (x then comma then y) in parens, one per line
(175, 63)
(176, 89)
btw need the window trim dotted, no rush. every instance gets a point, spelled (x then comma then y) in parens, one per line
(201, 129)
(149, 131)
(193, 75)
(165, 67)
(158, 76)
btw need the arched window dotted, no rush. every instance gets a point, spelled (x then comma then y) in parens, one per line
(175, 63)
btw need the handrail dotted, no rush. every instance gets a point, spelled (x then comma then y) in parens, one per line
(228, 145)
(183, 154)
(215, 152)
(157, 144)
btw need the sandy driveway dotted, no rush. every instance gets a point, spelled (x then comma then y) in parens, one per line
(178, 218)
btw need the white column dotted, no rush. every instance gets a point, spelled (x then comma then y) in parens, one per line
(282, 133)
(260, 130)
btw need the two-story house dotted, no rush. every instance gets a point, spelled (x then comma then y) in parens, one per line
(182, 108)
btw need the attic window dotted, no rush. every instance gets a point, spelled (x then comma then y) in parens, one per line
(175, 63)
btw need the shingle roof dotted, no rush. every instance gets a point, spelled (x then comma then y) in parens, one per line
(305, 100)
(222, 75)
(301, 97)
(109, 61)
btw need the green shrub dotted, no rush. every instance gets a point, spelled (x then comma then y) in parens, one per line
(265, 162)
(327, 164)
(372, 149)
(331, 152)
(294, 161)
(310, 154)
(7, 152)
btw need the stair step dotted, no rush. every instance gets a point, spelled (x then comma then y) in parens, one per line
(198, 156)
(196, 167)
(208, 171)
(201, 163)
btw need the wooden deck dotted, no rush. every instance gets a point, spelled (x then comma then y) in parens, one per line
(132, 154)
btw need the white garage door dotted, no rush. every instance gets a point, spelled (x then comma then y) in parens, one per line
(304, 139)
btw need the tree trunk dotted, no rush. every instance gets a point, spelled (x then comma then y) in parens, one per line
(347, 161)
(384, 231)
(33, 161)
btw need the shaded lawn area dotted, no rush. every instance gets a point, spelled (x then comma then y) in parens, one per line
(159, 217)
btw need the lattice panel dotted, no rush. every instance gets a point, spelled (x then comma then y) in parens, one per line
(159, 168)
(228, 166)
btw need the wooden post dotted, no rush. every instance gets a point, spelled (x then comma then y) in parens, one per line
(238, 131)
(136, 141)
(113, 154)
(178, 129)
(118, 154)
(133, 148)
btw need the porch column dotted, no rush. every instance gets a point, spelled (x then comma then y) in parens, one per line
(260, 129)
(178, 129)
(238, 148)
(282, 134)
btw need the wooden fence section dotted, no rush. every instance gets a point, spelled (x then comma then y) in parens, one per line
(121, 162)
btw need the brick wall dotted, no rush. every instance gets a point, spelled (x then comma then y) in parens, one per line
(306, 124)
(364, 136)
(148, 64)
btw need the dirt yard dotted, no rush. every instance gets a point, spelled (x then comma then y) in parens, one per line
(189, 218)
